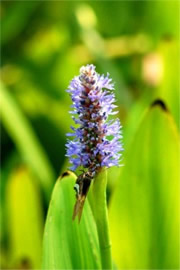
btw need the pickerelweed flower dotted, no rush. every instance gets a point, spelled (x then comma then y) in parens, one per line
(97, 140)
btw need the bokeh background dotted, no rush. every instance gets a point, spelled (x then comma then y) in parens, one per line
(43, 45)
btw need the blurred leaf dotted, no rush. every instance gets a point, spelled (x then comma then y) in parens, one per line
(21, 132)
(160, 19)
(135, 116)
(145, 205)
(169, 87)
(6, 170)
(35, 103)
(160, 70)
(15, 19)
(25, 221)
(90, 36)
(45, 42)
(69, 244)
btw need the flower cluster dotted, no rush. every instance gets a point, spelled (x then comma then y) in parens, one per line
(96, 140)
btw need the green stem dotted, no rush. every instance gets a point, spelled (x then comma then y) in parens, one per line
(97, 198)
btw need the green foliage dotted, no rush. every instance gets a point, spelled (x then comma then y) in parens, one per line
(44, 43)
(24, 220)
(13, 24)
(169, 87)
(69, 244)
(97, 198)
(18, 127)
(145, 205)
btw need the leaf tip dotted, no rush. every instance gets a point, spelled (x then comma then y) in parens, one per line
(160, 103)
(66, 174)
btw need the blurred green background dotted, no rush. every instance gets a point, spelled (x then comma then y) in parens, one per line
(43, 45)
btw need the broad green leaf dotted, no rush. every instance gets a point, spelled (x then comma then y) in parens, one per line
(67, 243)
(25, 139)
(167, 88)
(25, 220)
(144, 210)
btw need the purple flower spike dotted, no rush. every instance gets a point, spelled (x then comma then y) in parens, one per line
(97, 140)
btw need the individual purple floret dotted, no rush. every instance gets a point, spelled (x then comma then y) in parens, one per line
(96, 140)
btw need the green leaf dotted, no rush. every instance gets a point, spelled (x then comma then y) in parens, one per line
(69, 244)
(97, 198)
(164, 16)
(144, 210)
(169, 86)
(25, 139)
(25, 220)
(6, 170)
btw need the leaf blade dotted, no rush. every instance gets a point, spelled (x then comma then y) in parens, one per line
(25, 139)
(143, 218)
(73, 249)
(24, 219)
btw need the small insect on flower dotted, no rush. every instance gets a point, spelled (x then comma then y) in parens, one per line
(97, 140)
